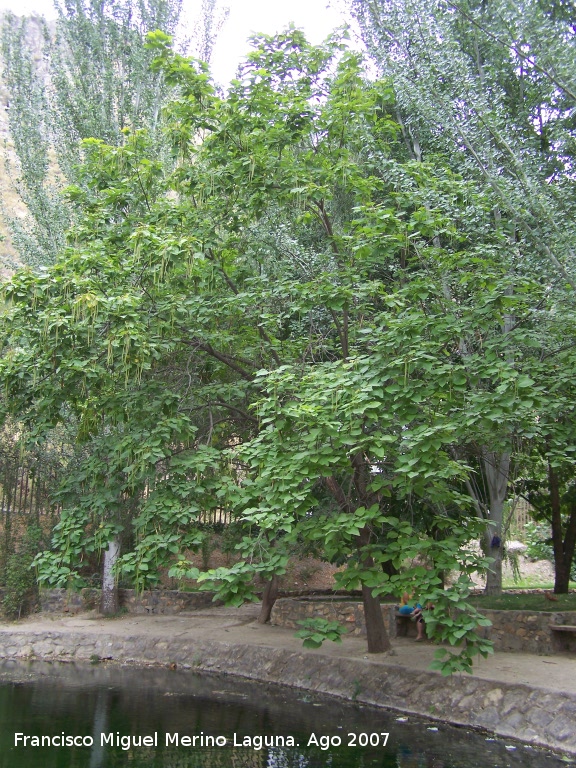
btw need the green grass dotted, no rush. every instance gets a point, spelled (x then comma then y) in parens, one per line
(522, 602)
(531, 582)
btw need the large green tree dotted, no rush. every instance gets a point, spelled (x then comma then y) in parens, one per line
(282, 242)
(315, 317)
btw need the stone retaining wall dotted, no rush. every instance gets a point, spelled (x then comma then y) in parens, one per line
(527, 632)
(166, 602)
(524, 631)
(287, 612)
(538, 716)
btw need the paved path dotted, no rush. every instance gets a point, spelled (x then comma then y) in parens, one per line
(239, 626)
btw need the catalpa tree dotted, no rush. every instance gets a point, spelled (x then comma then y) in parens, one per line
(314, 320)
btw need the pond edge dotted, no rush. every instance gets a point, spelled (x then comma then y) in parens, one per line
(538, 716)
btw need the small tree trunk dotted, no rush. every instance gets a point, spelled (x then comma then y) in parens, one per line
(563, 545)
(376, 634)
(110, 604)
(496, 471)
(268, 599)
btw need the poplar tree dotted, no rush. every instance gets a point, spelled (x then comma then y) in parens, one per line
(489, 86)
(92, 80)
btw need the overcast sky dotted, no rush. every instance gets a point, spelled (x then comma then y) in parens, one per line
(317, 17)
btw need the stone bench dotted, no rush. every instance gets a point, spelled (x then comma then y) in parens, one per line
(564, 636)
(404, 625)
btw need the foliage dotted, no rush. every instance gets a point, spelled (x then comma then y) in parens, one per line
(501, 109)
(21, 591)
(167, 319)
(295, 321)
(315, 631)
(487, 87)
(452, 619)
(538, 541)
(92, 80)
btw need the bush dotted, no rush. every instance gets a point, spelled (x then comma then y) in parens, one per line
(538, 542)
(21, 592)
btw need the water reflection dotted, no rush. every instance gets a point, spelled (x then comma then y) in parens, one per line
(101, 721)
(113, 708)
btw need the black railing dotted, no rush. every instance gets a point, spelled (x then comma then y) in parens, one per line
(25, 486)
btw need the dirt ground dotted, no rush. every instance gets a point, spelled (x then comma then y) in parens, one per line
(542, 570)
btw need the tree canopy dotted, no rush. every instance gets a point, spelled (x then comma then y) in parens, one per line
(300, 319)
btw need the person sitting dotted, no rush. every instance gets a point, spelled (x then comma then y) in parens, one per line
(415, 613)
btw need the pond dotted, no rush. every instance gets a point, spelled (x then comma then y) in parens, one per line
(102, 716)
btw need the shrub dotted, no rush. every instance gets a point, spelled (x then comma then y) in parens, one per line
(538, 541)
(21, 592)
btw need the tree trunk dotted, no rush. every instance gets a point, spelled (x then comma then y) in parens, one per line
(377, 636)
(562, 585)
(494, 573)
(563, 545)
(110, 603)
(496, 470)
(268, 599)
(561, 577)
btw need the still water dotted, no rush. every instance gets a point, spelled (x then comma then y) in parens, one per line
(68, 716)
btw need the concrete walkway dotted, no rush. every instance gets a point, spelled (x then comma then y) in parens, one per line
(239, 626)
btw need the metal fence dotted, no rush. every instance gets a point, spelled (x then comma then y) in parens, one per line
(25, 486)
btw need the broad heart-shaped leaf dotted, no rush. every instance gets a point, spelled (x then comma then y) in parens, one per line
(315, 631)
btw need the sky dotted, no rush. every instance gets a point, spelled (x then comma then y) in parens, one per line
(317, 17)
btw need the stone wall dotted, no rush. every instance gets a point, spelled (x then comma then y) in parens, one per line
(156, 601)
(535, 715)
(287, 612)
(524, 631)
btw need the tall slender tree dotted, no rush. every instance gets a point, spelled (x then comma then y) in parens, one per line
(93, 80)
